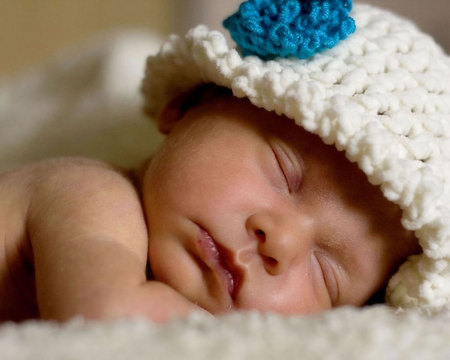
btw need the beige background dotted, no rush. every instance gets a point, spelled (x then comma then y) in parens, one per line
(33, 30)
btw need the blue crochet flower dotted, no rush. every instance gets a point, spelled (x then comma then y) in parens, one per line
(286, 28)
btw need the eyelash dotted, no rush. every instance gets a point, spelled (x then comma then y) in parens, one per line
(291, 179)
(329, 277)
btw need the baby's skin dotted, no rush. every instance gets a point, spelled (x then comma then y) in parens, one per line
(239, 209)
(74, 242)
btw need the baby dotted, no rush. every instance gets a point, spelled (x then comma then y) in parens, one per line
(247, 204)
(245, 210)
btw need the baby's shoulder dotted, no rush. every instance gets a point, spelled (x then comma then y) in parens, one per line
(66, 179)
(50, 186)
(79, 172)
(60, 172)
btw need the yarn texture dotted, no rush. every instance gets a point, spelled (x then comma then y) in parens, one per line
(284, 28)
(382, 96)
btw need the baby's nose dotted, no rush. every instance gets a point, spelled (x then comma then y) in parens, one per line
(283, 238)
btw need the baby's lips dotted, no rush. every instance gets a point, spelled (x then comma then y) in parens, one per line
(221, 260)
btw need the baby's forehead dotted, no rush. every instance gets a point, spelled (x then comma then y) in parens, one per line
(221, 100)
(212, 99)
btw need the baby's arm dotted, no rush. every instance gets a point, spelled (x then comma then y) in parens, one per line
(89, 240)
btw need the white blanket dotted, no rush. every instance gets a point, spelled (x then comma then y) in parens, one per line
(86, 102)
(372, 333)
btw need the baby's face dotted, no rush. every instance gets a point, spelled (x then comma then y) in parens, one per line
(248, 211)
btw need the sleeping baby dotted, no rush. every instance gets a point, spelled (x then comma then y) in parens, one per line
(299, 174)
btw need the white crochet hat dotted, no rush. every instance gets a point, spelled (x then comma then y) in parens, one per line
(382, 95)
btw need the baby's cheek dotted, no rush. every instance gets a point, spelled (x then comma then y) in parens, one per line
(166, 257)
(292, 293)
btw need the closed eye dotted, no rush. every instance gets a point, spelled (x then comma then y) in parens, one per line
(329, 277)
(287, 166)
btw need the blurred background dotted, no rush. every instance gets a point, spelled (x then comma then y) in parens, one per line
(32, 31)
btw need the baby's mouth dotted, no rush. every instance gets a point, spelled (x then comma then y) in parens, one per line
(220, 259)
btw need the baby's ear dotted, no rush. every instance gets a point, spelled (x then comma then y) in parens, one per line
(178, 106)
(171, 113)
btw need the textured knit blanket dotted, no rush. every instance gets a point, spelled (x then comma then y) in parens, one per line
(86, 102)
